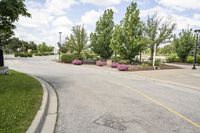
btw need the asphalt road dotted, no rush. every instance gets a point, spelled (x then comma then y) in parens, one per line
(92, 100)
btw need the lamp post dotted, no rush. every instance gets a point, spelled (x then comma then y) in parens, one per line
(195, 48)
(59, 44)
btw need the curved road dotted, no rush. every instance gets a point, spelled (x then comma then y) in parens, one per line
(95, 100)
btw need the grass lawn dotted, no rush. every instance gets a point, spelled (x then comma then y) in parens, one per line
(20, 99)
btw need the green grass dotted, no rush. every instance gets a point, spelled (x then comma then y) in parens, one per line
(20, 99)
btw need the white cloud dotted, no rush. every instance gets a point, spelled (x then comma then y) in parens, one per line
(182, 22)
(90, 18)
(180, 4)
(46, 21)
(102, 2)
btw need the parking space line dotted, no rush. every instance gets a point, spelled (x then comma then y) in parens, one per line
(160, 104)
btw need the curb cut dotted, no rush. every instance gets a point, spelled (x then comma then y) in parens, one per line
(43, 121)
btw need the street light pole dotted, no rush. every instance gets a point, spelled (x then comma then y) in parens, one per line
(195, 48)
(59, 45)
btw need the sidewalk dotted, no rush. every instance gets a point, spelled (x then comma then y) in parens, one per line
(186, 75)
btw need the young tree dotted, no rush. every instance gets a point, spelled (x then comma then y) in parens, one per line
(101, 38)
(157, 31)
(184, 44)
(10, 10)
(77, 41)
(127, 38)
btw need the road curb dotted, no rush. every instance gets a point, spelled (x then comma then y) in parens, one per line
(47, 109)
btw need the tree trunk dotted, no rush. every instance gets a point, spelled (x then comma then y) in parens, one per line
(1, 58)
(140, 56)
(152, 51)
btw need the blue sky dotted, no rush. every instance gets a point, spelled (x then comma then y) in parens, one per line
(51, 16)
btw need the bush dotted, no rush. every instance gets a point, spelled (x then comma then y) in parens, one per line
(89, 61)
(114, 65)
(198, 59)
(172, 58)
(43, 54)
(122, 67)
(190, 59)
(116, 58)
(158, 62)
(66, 58)
(23, 55)
(77, 62)
(124, 61)
(77, 56)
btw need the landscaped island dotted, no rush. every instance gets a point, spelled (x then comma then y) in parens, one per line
(20, 99)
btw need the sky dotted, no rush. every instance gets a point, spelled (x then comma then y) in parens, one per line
(52, 16)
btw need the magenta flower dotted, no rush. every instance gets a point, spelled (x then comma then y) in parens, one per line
(122, 67)
(100, 63)
(77, 62)
(114, 65)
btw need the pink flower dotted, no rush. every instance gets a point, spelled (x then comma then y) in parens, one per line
(100, 63)
(122, 67)
(114, 65)
(77, 62)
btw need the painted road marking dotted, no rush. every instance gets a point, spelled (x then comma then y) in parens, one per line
(160, 104)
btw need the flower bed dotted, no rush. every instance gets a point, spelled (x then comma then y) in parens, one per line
(122, 67)
(100, 63)
(114, 65)
(77, 62)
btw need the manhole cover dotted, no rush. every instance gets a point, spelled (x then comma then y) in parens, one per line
(111, 121)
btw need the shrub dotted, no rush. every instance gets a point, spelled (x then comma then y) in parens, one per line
(66, 58)
(158, 62)
(77, 62)
(198, 59)
(89, 61)
(23, 55)
(101, 63)
(116, 58)
(124, 61)
(122, 67)
(190, 59)
(172, 58)
(77, 56)
(114, 65)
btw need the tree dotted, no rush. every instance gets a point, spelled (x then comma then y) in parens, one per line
(77, 41)
(184, 44)
(101, 38)
(127, 38)
(157, 31)
(44, 48)
(10, 10)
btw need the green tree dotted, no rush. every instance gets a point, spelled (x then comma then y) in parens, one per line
(184, 44)
(44, 48)
(10, 10)
(14, 44)
(157, 31)
(167, 49)
(77, 41)
(101, 38)
(127, 38)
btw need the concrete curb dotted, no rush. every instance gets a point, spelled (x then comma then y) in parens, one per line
(48, 108)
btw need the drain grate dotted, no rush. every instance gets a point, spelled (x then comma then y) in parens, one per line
(111, 121)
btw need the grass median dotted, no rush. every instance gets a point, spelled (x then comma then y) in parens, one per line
(20, 99)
